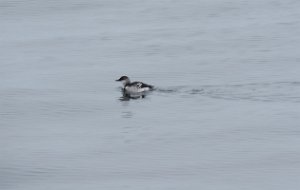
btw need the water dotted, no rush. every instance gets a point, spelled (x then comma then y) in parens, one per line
(225, 114)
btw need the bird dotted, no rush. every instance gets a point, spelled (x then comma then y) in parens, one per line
(134, 87)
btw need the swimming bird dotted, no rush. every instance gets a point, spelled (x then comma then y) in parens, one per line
(134, 87)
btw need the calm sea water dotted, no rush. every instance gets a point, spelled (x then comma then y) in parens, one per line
(224, 115)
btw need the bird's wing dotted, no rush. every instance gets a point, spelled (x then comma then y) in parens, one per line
(141, 85)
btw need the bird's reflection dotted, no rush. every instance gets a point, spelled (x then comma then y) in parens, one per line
(127, 114)
(126, 96)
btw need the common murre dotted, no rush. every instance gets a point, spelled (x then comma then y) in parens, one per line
(134, 87)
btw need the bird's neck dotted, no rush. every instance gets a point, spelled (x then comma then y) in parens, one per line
(125, 82)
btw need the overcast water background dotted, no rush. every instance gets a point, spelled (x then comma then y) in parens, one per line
(225, 114)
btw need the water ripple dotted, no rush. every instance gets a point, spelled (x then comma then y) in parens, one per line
(264, 92)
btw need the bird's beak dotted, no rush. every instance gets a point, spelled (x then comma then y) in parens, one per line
(118, 80)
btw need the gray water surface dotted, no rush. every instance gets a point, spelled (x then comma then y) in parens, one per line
(224, 115)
